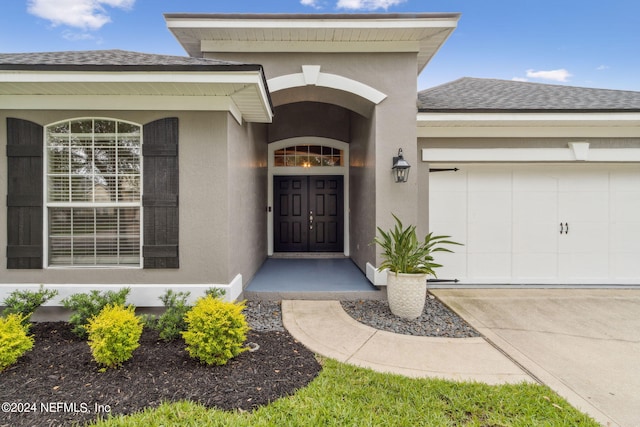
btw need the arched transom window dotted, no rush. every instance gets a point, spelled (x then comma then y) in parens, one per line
(308, 156)
(93, 192)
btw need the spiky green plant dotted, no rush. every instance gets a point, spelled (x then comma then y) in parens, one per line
(402, 252)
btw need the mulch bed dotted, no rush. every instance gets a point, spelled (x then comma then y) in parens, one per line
(59, 383)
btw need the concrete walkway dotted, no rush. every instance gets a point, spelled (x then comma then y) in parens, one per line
(583, 343)
(325, 328)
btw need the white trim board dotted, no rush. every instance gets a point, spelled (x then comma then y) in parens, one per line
(312, 76)
(141, 295)
(529, 155)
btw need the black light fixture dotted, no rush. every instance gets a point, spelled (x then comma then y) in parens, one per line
(400, 167)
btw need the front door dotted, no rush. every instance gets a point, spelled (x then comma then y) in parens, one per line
(308, 213)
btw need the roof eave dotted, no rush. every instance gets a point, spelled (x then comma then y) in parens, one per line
(24, 88)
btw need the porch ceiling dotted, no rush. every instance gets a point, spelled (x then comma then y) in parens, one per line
(422, 33)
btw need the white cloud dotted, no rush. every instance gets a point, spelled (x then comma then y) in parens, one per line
(603, 67)
(519, 79)
(367, 4)
(74, 36)
(310, 3)
(560, 75)
(84, 14)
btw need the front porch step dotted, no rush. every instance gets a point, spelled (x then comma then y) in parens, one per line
(315, 295)
(308, 255)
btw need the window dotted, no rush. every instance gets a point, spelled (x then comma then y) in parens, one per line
(308, 156)
(93, 193)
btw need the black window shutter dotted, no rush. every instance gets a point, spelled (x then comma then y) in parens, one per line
(24, 195)
(160, 198)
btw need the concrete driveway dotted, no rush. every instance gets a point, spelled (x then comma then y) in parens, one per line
(583, 343)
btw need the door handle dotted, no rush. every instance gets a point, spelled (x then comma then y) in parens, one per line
(310, 220)
(564, 228)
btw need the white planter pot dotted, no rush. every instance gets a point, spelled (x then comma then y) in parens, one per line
(406, 294)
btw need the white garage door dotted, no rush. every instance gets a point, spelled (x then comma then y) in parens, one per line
(539, 223)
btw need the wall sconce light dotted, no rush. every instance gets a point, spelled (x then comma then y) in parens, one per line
(400, 167)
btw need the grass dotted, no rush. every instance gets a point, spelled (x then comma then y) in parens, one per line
(344, 395)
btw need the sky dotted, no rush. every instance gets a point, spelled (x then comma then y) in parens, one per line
(589, 43)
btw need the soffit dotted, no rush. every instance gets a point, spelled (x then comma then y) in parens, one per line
(244, 89)
(421, 33)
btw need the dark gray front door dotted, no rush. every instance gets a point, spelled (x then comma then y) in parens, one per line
(308, 214)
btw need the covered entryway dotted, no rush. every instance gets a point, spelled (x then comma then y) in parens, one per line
(308, 196)
(539, 223)
(308, 213)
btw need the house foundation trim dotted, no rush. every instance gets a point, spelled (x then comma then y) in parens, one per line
(141, 295)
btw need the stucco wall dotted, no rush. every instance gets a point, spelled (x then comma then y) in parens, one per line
(309, 119)
(393, 126)
(247, 189)
(203, 211)
(363, 190)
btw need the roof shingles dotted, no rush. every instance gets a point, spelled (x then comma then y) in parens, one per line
(491, 95)
(93, 59)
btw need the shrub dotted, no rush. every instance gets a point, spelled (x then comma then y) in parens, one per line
(215, 292)
(14, 341)
(86, 306)
(171, 323)
(114, 334)
(215, 331)
(25, 303)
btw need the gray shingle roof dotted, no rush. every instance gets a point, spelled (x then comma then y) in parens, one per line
(490, 95)
(112, 60)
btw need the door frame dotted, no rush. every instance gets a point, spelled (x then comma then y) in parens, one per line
(317, 170)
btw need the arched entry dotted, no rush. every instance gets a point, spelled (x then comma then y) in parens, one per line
(308, 195)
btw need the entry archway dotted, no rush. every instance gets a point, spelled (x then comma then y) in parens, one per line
(309, 157)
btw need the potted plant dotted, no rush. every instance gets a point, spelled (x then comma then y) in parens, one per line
(409, 263)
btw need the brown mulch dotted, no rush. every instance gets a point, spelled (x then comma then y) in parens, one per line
(59, 383)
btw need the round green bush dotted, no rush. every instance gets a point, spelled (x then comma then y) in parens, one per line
(216, 330)
(114, 334)
(14, 339)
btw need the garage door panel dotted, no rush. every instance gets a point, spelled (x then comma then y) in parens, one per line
(532, 180)
(581, 179)
(454, 265)
(535, 206)
(585, 237)
(625, 238)
(444, 181)
(489, 207)
(583, 206)
(532, 267)
(625, 178)
(494, 267)
(489, 238)
(535, 238)
(625, 206)
(586, 267)
(625, 266)
(452, 206)
(488, 180)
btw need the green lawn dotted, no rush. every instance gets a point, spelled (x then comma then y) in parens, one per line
(344, 395)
